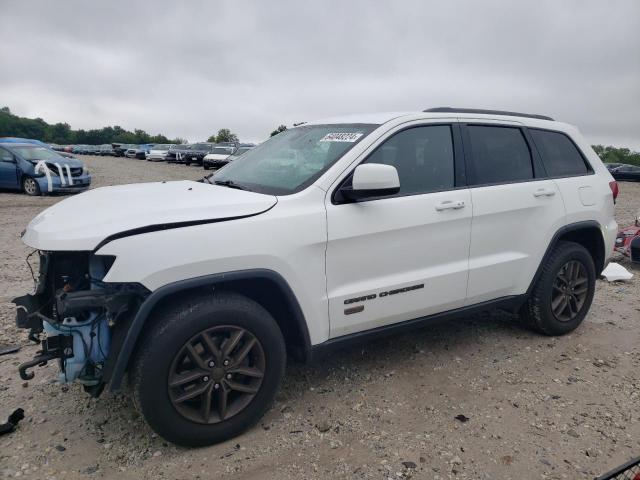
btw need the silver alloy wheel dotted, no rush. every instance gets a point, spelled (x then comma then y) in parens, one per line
(30, 186)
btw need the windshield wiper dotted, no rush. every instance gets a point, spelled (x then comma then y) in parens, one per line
(230, 184)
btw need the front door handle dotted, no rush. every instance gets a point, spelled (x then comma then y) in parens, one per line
(544, 192)
(450, 205)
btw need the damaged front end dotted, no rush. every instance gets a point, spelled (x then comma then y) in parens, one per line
(78, 313)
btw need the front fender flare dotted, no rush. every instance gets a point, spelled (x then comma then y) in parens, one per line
(135, 328)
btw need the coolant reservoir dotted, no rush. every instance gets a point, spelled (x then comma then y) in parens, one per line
(91, 342)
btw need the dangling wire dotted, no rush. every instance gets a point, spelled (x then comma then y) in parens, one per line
(33, 275)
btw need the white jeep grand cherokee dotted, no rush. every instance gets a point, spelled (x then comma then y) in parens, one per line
(334, 231)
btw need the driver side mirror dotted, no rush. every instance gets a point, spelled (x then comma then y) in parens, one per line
(372, 180)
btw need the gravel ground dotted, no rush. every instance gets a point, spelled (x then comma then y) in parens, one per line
(534, 407)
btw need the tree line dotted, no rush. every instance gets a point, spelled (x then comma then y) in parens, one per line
(611, 154)
(62, 134)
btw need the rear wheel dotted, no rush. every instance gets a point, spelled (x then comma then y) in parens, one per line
(30, 186)
(209, 369)
(564, 291)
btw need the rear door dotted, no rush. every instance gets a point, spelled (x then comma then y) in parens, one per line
(404, 256)
(516, 210)
(8, 169)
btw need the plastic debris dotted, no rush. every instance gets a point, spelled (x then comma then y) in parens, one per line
(615, 272)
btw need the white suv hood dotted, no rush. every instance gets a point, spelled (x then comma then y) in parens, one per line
(83, 221)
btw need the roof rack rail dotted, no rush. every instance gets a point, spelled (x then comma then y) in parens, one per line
(485, 112)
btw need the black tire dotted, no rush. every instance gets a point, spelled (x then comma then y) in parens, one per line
(30, 187)
(187, 163)
(171, 331)
(206, 167)
(539, 312)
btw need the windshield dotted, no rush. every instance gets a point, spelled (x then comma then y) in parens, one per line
(161, 147)
(36, 153)
(241, 150)
(201, 146)
(292, 160)
(222, 151)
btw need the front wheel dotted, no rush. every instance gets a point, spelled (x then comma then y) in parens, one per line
(563, 293)
(206, 167)
(30, 187)
(208, 369)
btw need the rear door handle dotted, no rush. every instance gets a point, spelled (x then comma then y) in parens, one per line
(544, 192)
(450, 205)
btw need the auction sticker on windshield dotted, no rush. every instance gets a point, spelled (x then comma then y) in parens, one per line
(341, 137)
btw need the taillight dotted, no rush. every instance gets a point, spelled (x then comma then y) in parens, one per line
(614, 190)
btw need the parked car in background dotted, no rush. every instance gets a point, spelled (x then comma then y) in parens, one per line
(119, 149)
(139, 151)
(197, 153)
(106, 150)
(58, 148)
(630, 173)
(240, 151)
(23, 140)
(37, 170)
(218, 157)
(178, 153)
(612, 166)
(158, 153)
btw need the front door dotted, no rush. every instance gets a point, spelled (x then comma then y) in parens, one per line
(8, 170)
(405, 256)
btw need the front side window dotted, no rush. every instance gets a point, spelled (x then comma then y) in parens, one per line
(423, 157)
(499, 155)
(560, 156)
(293, 159)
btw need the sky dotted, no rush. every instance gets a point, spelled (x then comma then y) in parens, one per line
(188, 68)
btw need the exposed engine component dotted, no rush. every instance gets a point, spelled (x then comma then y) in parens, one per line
(75, 309)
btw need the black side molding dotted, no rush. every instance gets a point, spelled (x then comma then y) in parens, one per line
(510, 303)
(137, 324)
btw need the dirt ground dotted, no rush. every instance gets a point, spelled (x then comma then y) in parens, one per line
(537, 407)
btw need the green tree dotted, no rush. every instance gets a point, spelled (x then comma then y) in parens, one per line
(281, 128)
(223, 135)
(611, 154)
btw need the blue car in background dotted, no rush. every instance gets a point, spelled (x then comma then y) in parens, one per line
(37, 170)
(35, 142)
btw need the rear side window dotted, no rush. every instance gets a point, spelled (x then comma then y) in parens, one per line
(560, 156)
(499, 155)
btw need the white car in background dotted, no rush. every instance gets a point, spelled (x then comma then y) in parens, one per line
(158, 153)
(217, 158)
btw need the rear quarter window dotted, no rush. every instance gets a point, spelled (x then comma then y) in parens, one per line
(560, 156)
